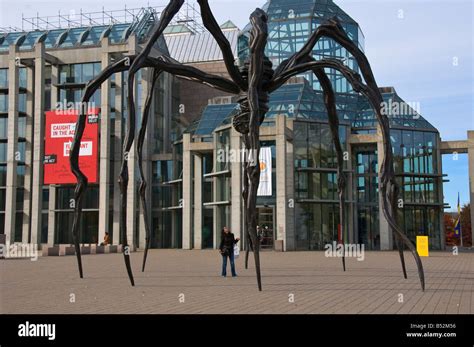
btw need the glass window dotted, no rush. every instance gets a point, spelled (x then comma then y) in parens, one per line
(21, 151)
(3, 197)
(301, 144)
(3, 103)
(22, 77)
(3, 152)
(3, 127)
(162, 171)
(3, 78)
(22, 127)
(20, 196)
(65, 198)
(223, 145)
(88, 228)
(314, 144)
(45, 200)
(3, 175)
(87, 72)
(19, 227)
(22, 102)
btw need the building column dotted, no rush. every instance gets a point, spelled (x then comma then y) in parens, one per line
(51, 219)
(282, 218)
(175, 201)
(386, 240)
(236, 214)
(104, 148)
(27, 185)
(132, 199)
(187, 192)
(52, 187)
(197, 196)
(38, 146)
(351, 206)
(470, 153)
(290, 235)
(440, 197)
(117, 157)
(146, 160)
(12, 146)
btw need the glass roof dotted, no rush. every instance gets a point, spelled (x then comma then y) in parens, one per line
(71, 37)
(296, 101)
(228, 25)
(52, 38)
(117, 32)
(283, 9)
(177, 29)
(299, 100)
(400, 113)
(212, 117)
(189, 48)
(31, 39)
(8, 40)
(290, 25)
(94, 35)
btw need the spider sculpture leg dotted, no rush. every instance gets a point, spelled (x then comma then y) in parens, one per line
(183, 72)
(162, 64)
(388, 186)
(213, 27)
(258, 39)
(330, 102)
(159, 65)
(398, 241)
(141, 139)
(81, 186)
(245, 193)
(140, 61)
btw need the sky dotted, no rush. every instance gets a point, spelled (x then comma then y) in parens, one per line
(422, 48)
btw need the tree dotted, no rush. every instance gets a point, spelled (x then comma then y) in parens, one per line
(450, 238)
(466, 225)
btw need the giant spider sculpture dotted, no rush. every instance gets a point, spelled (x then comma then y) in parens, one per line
(253, 82)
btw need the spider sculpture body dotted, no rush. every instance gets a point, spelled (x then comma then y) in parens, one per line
(253, 83)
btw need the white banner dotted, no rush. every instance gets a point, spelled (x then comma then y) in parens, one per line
(84, 151)
(265, 159)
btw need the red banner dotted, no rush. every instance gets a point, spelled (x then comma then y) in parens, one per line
(59, 134)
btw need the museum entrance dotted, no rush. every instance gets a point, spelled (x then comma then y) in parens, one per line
(265, 226)
(366, 163)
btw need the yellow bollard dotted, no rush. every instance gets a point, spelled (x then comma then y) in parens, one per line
(422, 246)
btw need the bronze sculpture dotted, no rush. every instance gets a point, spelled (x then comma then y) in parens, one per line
(253, 82)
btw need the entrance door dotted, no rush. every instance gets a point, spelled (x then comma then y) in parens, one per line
(265, 229)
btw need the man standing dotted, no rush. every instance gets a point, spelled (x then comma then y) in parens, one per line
(226, 249)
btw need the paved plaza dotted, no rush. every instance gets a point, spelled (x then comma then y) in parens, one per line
(178, 281)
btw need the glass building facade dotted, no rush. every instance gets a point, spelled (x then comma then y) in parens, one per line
(310, 179)
(65, 60)
(194, 192)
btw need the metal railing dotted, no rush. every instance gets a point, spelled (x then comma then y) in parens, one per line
(188, 16)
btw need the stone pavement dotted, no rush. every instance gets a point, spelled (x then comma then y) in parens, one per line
(317, 284)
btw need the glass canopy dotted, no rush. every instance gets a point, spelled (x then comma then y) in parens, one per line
(80, 36)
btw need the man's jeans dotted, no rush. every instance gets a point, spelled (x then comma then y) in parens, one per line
(232, 264)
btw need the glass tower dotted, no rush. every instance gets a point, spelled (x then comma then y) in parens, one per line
(415, 140)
